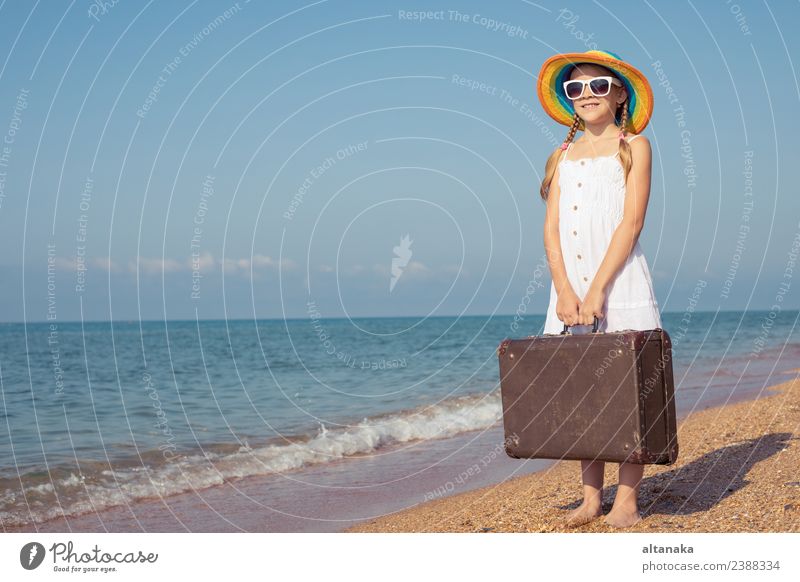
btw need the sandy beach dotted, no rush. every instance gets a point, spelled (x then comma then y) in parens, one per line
(738, 471)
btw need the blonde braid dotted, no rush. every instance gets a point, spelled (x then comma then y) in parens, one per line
(623, 122)
(552, 161)
(576, 123)
(624, 147)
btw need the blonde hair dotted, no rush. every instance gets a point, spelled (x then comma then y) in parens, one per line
(624, 147)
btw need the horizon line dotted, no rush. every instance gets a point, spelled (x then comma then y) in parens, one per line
(126, 320)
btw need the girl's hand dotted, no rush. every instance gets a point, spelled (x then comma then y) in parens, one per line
(568, 306)
(592, 305)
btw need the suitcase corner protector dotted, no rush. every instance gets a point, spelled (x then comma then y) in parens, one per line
(501, 349)
(508, 443)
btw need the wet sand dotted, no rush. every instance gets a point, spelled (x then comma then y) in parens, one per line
(738, 471)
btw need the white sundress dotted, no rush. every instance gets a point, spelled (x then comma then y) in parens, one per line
(590, 209)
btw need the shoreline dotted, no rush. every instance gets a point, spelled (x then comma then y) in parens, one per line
(408, 488)
(738, 470)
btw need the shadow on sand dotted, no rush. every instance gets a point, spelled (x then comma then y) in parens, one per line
(701, 484)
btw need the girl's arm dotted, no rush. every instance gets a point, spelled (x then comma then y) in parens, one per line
(552, 239)
(627, 232)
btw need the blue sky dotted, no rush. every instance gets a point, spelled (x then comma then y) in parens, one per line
(221, 159)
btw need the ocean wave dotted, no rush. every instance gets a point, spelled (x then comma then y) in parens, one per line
(95, 486)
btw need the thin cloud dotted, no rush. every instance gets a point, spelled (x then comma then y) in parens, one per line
(256, 263)
(205, 263)
(105, 263)
(154, 266)
(413, 268)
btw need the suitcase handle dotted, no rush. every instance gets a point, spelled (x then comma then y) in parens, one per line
(594, 326)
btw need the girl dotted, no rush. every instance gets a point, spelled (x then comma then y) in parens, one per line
(596, 190)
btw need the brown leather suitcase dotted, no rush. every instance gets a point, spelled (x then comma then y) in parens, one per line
(606, 396)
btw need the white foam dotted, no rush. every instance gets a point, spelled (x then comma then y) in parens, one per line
(80, 494)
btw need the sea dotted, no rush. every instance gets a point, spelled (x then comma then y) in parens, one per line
(96, 415)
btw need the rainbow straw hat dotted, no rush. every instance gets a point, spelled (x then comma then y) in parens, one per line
(556, 70)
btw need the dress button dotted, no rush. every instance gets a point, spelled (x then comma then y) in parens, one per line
(575, 207)
(579, 256)
(583, 163)
(574, 232)
(585, 279)
(579, 184)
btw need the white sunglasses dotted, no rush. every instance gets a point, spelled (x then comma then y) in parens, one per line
(599, 86)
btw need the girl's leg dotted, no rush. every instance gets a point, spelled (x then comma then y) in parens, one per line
(625, 511)
(592, 473)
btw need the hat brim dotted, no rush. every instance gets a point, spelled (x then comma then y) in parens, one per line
(555, 70)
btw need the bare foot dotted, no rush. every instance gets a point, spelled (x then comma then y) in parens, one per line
(622, 518)
(583, 514)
